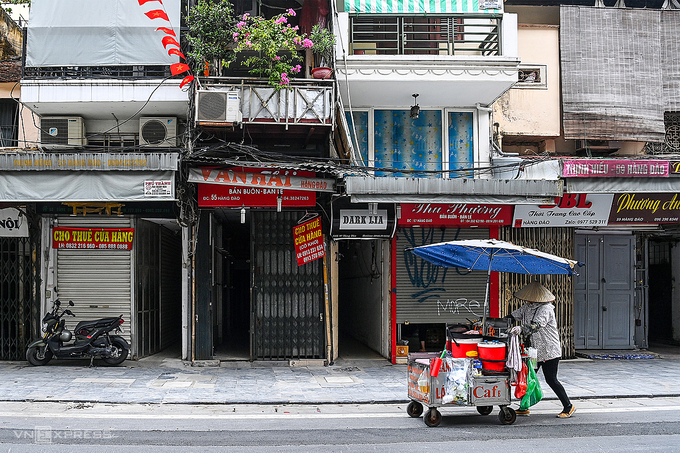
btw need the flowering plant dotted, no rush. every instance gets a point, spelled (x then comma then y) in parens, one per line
(276, 43)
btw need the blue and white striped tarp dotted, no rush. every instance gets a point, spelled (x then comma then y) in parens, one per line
(422, 6)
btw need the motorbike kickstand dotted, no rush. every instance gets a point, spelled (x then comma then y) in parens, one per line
(91, 362)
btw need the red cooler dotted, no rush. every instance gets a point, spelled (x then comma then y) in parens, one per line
(460, 347)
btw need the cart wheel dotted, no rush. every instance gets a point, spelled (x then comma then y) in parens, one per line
(507, 415)
(432, 418)
(485, 410)
(414, 409)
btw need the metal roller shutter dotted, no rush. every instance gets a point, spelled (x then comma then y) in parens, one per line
(97, 281)
(430, 294)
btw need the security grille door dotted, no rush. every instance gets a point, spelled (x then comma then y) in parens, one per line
(16, 288)
(287, 299)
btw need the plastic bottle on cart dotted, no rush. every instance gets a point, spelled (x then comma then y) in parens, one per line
(476, 363)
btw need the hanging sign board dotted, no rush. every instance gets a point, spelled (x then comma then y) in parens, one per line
(572, 210)
(454, 214)
(93, 238)
(261, 178)
(309, 241)
(13, 223)
(614, 168)
(645, 208)
(362, 220)
(216, 195)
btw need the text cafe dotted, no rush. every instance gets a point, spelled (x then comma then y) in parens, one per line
(427, 296)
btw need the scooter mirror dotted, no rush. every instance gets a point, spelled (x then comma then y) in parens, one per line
(57, 303)
(70, 302)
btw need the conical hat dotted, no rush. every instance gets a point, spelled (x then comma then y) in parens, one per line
(535, 292)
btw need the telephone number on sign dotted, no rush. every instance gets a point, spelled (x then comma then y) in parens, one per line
(89, 245)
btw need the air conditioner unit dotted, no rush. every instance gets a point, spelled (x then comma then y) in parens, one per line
(62, 132)
(217, 108)
(158, 132)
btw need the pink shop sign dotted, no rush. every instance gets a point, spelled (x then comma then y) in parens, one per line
(614, 168)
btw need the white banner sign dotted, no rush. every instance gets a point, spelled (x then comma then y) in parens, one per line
(573, 210)
(13, 223)
(269, 180)
(361, 219)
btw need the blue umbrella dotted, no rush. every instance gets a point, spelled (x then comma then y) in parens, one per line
(494, 255)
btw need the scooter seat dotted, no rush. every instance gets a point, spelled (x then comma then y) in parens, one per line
(103, 322)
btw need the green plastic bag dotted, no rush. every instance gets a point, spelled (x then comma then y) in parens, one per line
(534, 394)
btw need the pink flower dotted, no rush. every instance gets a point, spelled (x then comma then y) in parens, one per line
(284, 79)
(235, 35)
(307, 43)
(297, 68)
(291, 12)
(281, 20)
(277, 57)
(249, 44)
(297, 39)
(245, 16)
(240, 25)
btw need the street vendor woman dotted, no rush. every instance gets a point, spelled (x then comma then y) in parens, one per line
(537, 318)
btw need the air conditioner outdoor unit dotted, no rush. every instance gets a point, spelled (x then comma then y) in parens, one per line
(217, 108)
(62, 132)
(158, 132)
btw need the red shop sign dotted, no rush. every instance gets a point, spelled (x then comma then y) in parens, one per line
(93, 238)
(217, 195)
(454, 214)
(309, 241)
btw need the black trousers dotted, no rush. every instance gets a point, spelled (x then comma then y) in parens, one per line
(550, 374)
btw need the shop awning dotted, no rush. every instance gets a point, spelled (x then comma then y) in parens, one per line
(422, 6)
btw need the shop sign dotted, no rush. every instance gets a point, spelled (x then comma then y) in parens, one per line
(674, 167)
(454, 214)
(308, 240)
(13, 223)
(217, 195)
(93, 238)
(89, 161)
(157, 209)
(157, 189)
(645, 208)
(614, 168)
(573, 210)
(261, 178)
(362, 220)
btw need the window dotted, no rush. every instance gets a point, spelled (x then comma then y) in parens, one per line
(391, 139)
(532, 76)
(8, 122)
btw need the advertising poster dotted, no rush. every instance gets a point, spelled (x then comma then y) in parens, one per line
(645, 208)
(93, 238)
(309, 241)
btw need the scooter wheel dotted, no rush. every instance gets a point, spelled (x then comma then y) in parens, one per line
(37, 355)
(118, 344)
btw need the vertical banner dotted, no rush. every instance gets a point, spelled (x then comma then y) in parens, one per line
(309, 241)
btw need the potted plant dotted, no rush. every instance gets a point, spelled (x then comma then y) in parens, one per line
(274, 46)
(323, 47)
(211, 47)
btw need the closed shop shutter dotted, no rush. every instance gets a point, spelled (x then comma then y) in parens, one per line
(431, 294)
(97, 281)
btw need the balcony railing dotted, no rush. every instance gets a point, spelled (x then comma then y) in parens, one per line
(307, 102)
(431, 35)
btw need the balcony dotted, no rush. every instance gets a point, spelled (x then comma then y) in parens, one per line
(453, 60)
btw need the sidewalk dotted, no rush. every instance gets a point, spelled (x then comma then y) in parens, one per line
(168, 380)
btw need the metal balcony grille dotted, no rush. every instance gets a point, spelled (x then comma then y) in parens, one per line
(96, 72)
(431, 35)
(15, 297)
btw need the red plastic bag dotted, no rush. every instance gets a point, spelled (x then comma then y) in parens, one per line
(521, 387)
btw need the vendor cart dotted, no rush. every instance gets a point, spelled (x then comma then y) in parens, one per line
(464, 385)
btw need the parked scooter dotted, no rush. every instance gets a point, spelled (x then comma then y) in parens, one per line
(92, 339)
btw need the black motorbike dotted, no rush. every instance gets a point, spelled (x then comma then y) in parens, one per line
(92, 339)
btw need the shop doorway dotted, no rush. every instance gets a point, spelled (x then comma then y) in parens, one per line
(232, 317)
(660, 290)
